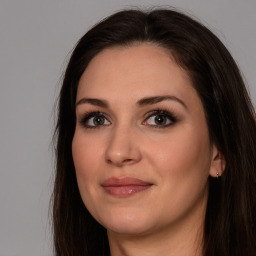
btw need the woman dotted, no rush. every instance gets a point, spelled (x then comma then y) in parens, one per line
(155, 143)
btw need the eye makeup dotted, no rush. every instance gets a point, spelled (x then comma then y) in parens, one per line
(160, 118)
(156, 118)
(94, 119)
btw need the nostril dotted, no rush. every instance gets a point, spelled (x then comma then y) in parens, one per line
(109, 161)
(119, 161)
(127, 160)
(122, 153)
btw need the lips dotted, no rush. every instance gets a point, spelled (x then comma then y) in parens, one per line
(124, 187)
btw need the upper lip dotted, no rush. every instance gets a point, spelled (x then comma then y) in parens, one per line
(124, 181)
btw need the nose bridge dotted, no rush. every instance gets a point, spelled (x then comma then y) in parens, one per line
(122, 145)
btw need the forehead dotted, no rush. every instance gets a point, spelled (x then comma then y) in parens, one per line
(134, 69)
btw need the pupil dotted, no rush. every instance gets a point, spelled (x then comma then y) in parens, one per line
(98, 120)
(160, 119)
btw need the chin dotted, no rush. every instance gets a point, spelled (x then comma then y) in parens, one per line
(127, 224)
(127, 229)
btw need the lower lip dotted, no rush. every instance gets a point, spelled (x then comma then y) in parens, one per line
(126, 190)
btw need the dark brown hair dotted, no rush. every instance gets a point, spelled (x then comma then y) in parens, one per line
(230, 226)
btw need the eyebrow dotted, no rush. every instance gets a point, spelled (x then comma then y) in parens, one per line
(157, 99)
(142, 102)
(96, 102)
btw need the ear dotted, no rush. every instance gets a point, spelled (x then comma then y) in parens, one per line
(218, 163)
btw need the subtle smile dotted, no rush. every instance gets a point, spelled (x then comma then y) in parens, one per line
(124, 187)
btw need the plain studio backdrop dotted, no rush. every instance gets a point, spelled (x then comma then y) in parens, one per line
(36, 40)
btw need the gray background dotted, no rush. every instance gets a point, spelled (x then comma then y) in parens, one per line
(36, 38)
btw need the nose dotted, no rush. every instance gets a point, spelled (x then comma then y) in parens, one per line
(123, 147)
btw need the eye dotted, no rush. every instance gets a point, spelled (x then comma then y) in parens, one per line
(94, 120)
(160, 118)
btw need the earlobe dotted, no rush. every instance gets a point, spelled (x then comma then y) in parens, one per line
(218, 163)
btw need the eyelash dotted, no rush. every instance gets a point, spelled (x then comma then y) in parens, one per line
(172, 119)
(90, 115)
(164, 113)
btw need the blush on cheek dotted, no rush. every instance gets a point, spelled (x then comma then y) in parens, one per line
(184, 156)
(83, 154)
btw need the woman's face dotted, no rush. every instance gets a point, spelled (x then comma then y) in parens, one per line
(141, 146)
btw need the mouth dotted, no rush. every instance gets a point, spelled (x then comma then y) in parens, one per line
(124, 187)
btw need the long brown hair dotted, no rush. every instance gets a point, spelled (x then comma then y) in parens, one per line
(230, 226)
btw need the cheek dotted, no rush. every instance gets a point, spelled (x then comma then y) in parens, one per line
(86, 152)
(182, 148)
(86, 156)
(183, 160)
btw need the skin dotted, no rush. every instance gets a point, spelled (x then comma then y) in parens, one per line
(175, 157)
